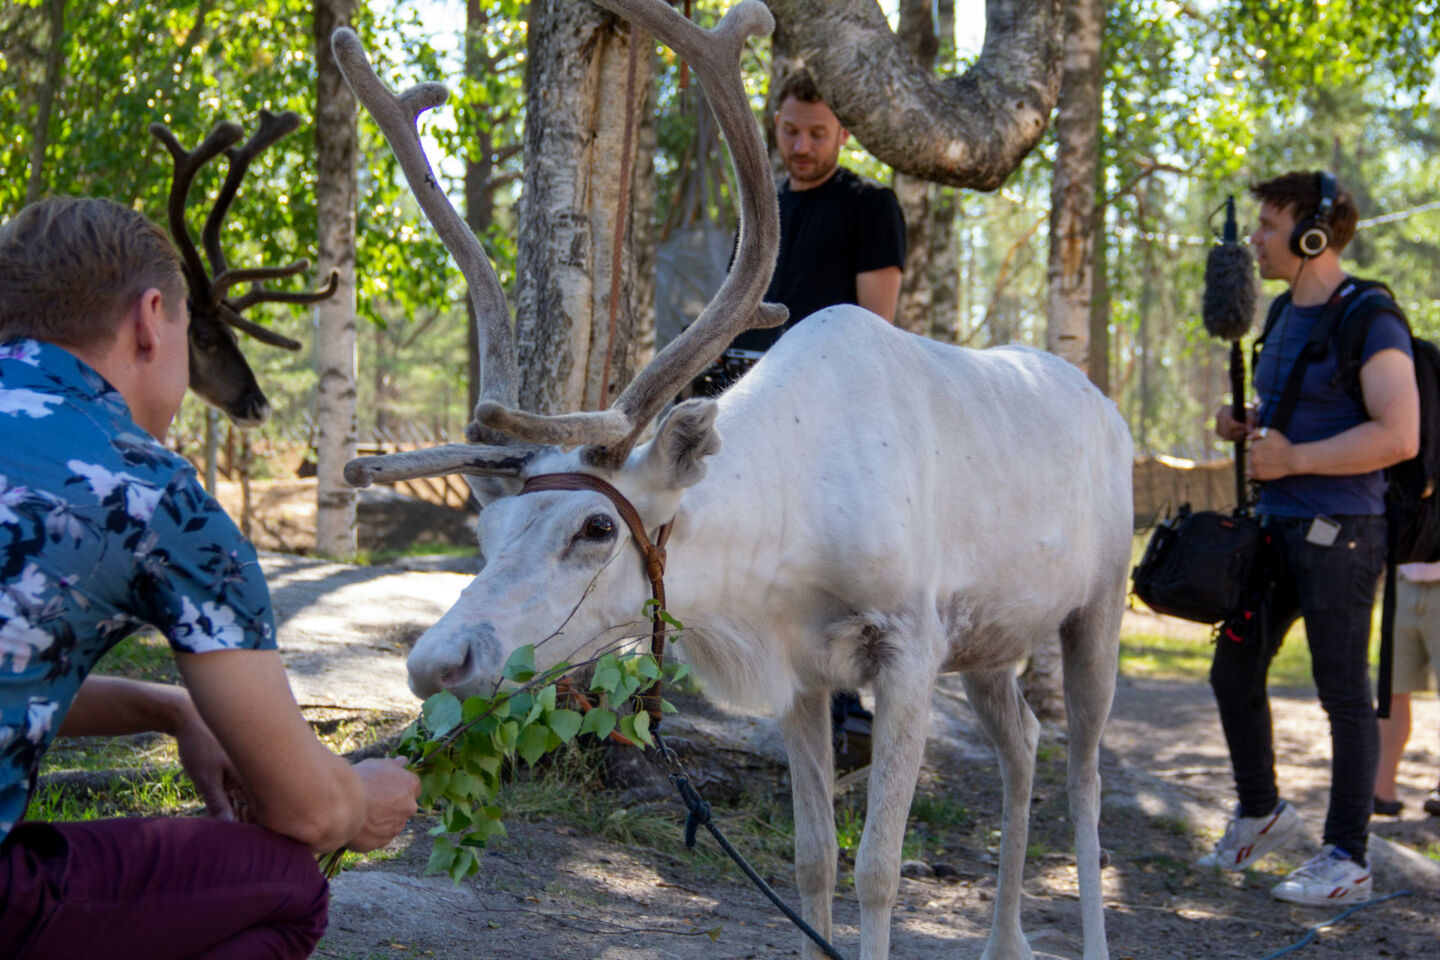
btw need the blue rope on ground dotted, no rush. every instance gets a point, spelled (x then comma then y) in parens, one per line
(1310, 934)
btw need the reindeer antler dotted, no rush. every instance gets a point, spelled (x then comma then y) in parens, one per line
(609, 435)
(208, 288)
(187, 164)
(396, 115)
(715, 56)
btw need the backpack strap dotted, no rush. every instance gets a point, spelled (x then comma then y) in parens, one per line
(1277, 307)
(1371, 299)
(1315, 348)
(1384, 681)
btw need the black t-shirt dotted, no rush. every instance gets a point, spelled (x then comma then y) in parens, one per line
(828, 234)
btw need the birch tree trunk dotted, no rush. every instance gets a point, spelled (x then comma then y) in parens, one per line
(336, 356)
(1072, 194)
(581, 78)
(917, 33)
(45, 105)
(1100, 302)
(1071, 274)
(944, 248)
(484, 172)
(967, 131)
(944, 266)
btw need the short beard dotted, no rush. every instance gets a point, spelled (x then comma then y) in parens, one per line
(820, 174)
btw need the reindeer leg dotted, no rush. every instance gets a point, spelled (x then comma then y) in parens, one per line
(902, 719)
(1011, 726)
(806, 728)
(1089, 644)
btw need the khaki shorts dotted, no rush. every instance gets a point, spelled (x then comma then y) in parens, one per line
(1417, 635)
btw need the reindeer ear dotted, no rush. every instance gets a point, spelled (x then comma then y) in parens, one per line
(489, 489)
(687, 435)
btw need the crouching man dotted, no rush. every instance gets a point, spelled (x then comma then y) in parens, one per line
(102, 530)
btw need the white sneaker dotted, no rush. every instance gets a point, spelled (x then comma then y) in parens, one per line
(1328, 879)
(1247, 839)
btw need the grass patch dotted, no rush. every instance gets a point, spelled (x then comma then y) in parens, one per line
(371, 558)
(567, 788)
(1183, 658)
(166, 793)
(144, 655)
(936, 821)
(109, 753)
(941, 812)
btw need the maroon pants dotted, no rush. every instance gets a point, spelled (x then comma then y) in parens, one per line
(157, 889)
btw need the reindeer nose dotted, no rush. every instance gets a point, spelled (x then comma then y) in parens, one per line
(251, 410)
(458, 674)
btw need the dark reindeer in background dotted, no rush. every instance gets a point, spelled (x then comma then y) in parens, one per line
(219, 373)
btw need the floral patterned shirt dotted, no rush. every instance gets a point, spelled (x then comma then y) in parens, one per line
(101, 530)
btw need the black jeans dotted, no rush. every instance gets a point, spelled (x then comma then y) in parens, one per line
(1333, 588)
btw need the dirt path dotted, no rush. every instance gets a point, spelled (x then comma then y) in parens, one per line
(551, 891)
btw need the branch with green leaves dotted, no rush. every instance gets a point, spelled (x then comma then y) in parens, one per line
(459, 748)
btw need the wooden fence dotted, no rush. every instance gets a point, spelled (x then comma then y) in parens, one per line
(290, 450)
(447, 491)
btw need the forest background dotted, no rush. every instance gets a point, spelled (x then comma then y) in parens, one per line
(1198, 100)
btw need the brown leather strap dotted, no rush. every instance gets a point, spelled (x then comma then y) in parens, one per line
(653, 554)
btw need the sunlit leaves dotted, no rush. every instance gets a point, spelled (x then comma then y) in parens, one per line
(460, 748)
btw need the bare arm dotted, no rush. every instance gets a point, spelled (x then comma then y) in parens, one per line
(1390, 436)
(879, 291)
(112, 706)
(298, 787)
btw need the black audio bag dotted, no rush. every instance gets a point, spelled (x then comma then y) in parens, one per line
(1200, 566)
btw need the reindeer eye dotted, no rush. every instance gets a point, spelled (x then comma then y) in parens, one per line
(598, 527)
(202, 337)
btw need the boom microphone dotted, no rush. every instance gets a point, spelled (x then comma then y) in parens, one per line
(1229, 305)
(1228, 310)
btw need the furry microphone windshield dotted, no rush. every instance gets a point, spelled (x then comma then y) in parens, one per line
(1229, 306)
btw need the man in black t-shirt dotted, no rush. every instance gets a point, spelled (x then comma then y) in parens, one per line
(842, 237)
(842, 240)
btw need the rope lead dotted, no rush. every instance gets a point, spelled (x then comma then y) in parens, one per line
(700, 816)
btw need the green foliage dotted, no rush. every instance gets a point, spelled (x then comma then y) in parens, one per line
(195, 63)
(461, 749)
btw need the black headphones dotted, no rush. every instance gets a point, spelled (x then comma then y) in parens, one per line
(1311, 236)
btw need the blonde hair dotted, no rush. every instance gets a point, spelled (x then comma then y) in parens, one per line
(70, 267)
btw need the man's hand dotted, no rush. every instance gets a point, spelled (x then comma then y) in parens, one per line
(209, 768)
(390, 795)
(1228, 428)
(114, 706)
(1272, 455)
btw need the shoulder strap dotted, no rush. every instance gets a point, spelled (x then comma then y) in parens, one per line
(1315, 348)
(1277, 307)
(1355, 327)
(1272, 316)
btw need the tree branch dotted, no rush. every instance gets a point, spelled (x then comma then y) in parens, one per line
(967, 131)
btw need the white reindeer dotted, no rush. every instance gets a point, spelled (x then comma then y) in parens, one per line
(883, 508)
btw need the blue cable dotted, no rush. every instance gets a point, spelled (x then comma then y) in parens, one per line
(1310, 935)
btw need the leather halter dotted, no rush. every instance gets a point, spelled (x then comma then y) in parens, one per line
(653, 554)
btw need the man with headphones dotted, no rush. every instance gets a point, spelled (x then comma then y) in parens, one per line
(1322, 500)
